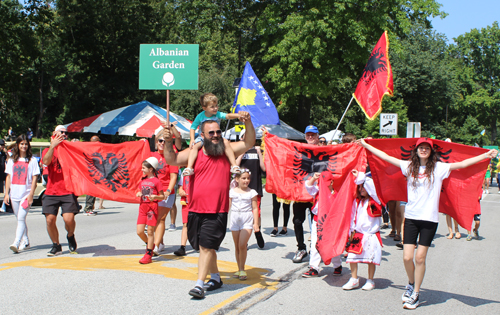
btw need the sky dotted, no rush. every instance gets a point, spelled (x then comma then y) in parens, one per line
(464, 15)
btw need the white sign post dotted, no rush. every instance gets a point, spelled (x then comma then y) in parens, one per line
(389, 124)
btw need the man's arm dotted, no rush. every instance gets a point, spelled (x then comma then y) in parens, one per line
(241, 147)
(172, 158)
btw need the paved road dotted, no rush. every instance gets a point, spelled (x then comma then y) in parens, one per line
(105, 277)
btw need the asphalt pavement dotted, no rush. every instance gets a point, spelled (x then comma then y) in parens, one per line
(105, 276)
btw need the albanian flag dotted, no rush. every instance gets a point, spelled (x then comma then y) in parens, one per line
(290, 163)
(108, 171)
(376, 80)
(460, 191)
(334, 218)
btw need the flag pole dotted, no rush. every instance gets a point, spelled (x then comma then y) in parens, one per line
(335, 132)
(168, 108)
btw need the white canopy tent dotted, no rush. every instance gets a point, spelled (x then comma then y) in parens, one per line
(329, 134)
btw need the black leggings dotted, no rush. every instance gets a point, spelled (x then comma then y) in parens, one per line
(276, 212)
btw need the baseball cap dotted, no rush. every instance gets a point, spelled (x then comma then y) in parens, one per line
(311, 128)
(153, 161)
(60, 127)
(424, 140)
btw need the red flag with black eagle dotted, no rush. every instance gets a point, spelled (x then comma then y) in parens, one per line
(290, 163)
(334, 217)
(108, 171)
(376, 80)
(460, 191)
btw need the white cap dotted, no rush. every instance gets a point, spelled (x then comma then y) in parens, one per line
(60, 127)
(153, 161)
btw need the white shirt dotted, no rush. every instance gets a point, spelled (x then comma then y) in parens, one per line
(242, 202)
(423, 201)
(313, 190)
(21, 176)
(360, 220)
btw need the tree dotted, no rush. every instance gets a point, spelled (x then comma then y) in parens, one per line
(479, 52)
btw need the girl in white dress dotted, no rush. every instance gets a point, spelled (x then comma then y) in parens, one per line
(244, 217)
(365, 242)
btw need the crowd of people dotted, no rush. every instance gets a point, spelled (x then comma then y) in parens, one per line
(209, 162)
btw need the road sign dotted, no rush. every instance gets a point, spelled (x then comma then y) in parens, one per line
(413, 130)
(389, 124)
(168, 67)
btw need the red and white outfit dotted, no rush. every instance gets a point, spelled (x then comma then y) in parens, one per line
(368, 224)
(148, 210)
(315, 258)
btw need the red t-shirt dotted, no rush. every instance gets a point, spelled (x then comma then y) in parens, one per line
(150, 186)
(164, 171)
(55, 182)
(209, 187)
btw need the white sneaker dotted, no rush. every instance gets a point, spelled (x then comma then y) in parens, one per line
(14, 248)
(369, 285)
(161, 248)
(24, 246)
(156, 252)
(351, 284)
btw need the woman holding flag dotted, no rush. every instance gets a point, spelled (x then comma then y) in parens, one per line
(425, 177)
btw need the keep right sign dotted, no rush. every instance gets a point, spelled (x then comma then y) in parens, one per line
(388, 124)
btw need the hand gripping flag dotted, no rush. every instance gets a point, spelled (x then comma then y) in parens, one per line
(376, 80)
(253, 98)
(108, 171)
(334, 218)
(460, 191)
(290, 163)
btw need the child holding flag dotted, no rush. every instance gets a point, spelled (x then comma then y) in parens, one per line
(365, 244)
(209, 103)
(151, 190)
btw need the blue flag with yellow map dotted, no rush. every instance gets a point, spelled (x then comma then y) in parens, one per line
(253, 98)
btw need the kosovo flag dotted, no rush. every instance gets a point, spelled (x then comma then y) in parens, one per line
(253, 98)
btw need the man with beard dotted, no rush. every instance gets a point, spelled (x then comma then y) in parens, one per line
(209, 196)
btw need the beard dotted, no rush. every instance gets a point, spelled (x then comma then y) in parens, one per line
(214, 149)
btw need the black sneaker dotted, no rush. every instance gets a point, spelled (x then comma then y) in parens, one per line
(55, 250)
(180, 252)
(337, 271)
(310, 273)
(412, 302)
(299, 255)
(283, 233)
(212, 285)
(260, 239)
(197, 292)
(274, 233)
(71, 244)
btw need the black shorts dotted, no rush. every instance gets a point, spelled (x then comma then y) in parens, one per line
(477, 217)
(414, 228)
(51, 204)
(206, 229)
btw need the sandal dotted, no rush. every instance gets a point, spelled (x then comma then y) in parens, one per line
(397, 238)
(450, 236)
(458, 235)
(243, 275)
(399, 245)
(236, 274)
(187, 172)
(392, 234)
(235, 169)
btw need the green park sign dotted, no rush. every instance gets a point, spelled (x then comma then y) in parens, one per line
(168, 67)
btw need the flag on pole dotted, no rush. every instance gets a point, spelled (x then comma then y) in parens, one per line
(376, 80)
(253, 98)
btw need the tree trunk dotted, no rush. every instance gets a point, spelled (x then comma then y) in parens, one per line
(40, 113)
(303, 112)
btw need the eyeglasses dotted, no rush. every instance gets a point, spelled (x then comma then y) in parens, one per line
(161, 140)
(212, 133)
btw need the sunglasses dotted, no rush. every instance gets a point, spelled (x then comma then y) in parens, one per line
(161, 140)
(322, 141)
(212, 133)
(63, 132)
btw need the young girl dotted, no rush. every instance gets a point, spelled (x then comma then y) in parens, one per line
(210, 107)
(150, 191)
(22, 170)
(365, 242)
(315, 259)
(244, 215)
(424, 177)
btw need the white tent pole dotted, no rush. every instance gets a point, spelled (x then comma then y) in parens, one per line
(335, 132)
